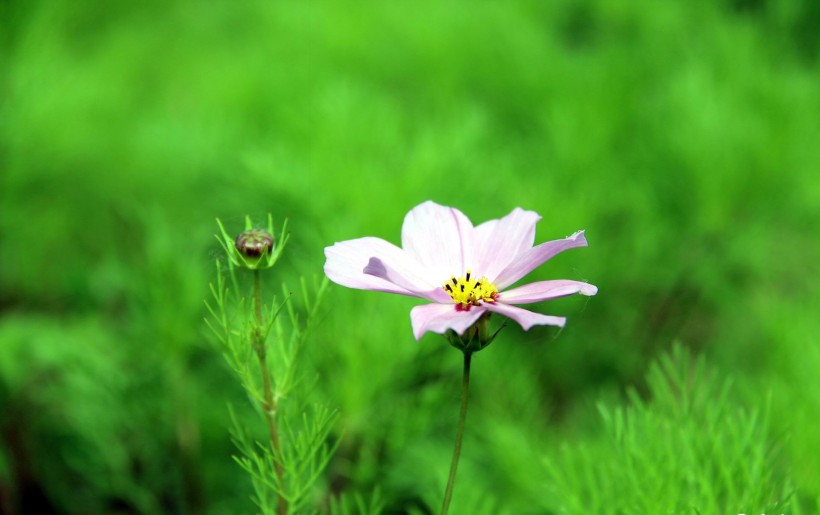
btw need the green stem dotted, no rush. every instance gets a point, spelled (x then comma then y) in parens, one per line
(269, 405)
(465, 385)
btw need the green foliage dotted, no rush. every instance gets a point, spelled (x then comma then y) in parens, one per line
(57, 389)
(297, 450)
(357, 504)
(689, 450)
(305, 455)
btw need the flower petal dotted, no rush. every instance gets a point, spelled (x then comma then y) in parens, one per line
(346, 261)
(535, 257)
(525, 318)
(483, 232)
(441, 317)
(440, 238)
(407, 279)
(500, 243)
(545, 290)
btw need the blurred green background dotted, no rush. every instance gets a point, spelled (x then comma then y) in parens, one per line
(683, 136)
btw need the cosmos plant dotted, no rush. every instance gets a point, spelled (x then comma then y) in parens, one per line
(465, 272)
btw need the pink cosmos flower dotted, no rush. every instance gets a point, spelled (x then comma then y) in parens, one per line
(463, 270)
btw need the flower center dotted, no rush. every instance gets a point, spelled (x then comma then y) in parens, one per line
(467, 292)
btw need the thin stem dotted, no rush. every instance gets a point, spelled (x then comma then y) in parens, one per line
(269, 405)
(465, 385)
(257, 299)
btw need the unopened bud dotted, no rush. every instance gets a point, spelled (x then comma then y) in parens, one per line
(254, 249)
(254, 243)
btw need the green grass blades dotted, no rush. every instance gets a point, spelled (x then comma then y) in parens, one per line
(691, 449)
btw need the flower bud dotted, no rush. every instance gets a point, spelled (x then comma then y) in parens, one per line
(254, 243)
(254, 249)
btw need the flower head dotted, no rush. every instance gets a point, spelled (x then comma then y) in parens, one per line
(463, 270)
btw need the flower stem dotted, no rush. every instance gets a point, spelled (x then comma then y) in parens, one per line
(465, 385)
(269, 405)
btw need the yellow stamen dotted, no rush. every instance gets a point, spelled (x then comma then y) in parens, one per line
(467, 292)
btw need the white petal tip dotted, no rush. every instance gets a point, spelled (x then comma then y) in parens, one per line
(549, 320)
(588, 290)
(579, 236)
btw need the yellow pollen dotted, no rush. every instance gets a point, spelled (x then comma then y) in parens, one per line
(467, 292)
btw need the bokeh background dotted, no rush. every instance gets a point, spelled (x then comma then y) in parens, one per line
(683, 136)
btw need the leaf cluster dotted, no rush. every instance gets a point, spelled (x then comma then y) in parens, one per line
(687, 450)
(247, 332)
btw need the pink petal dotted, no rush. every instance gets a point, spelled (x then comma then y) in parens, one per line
(346, 261)
(545, 290)
(440, 238)
(483, 232)
(535, 257)
(500, 243)
(525, 318)
(407, 279)
(441, 317)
